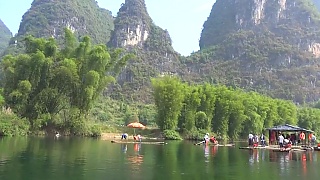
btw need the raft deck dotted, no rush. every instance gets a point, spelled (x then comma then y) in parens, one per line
(137, 142)
(275, 149)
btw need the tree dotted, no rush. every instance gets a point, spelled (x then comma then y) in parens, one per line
(45, 81)
(168, 93)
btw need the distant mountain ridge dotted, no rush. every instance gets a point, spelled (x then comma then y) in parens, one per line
(268, 46)
(48, 18)
(5, 36)
(136, 32)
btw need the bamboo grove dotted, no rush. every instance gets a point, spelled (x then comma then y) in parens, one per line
(55, 88)
(229, 113)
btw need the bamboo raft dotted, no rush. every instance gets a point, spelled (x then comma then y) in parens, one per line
(137, 142)
(211, 144)
(275, 149)
(316, 148)
(251, 148)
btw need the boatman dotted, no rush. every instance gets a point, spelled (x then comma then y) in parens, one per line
(250, 140)
(262, 139)
(206, 138)
(281, 138)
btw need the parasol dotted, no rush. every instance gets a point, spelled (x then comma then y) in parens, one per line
(135, 125)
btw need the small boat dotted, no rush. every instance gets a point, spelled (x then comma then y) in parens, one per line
(137, 142)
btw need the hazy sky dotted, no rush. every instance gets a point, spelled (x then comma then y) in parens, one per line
(182, 18)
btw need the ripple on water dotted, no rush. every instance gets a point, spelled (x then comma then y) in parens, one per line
(4, 162)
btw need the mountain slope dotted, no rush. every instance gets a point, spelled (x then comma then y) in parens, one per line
(5, 36)
(136, 32)
(269, 46)
(48, 18)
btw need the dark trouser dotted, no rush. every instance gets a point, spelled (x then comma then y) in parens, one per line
(123, 136)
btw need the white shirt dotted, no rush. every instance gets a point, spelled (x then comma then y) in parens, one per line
(286, 141)
(250, 136)
(281, 138)
(206, 137)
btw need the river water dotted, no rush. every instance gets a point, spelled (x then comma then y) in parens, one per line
(31, 158)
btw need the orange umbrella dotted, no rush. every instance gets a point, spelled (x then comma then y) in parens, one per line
(136, 125)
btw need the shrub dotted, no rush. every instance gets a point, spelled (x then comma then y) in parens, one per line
(171, 135)
(12, 125)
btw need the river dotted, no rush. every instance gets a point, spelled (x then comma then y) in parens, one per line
(33, 158)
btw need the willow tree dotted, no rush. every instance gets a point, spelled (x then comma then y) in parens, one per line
(168, 93)
(45, 80)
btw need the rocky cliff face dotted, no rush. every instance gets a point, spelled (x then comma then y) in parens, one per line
(136, 32)
(272, 46)
(5, 36)
(49, 18)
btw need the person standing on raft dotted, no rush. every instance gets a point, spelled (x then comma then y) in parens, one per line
(206, 138)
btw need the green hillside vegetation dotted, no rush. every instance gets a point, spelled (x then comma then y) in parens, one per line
(55, 89)
(154, 56)
(84, 15)
(229, 113)
(48, 19)
(271, 57)
(5, 36)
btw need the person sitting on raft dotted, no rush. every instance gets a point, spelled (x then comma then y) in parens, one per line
(287, 144)
(137, 138)
(213, 140)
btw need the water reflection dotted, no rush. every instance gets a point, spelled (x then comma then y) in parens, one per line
(124, 148)
(137, 147)
(136, 160)
(206, 149)
(214, 150)
(253, 156)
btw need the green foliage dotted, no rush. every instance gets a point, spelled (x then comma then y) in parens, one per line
(195, 134)
(169, 95)
(235, 112)
(5, 36)
(45, 82)
(171, 135)
(271, 55)
(309, 118)
(191, 103)
(48, 18)
(12, 125)
(202, 120)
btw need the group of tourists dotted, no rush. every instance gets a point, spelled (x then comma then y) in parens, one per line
(254, 140)
(284, 140)
(212, 139)
(136, 138)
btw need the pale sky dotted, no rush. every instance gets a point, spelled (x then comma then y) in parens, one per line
(182, 18)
